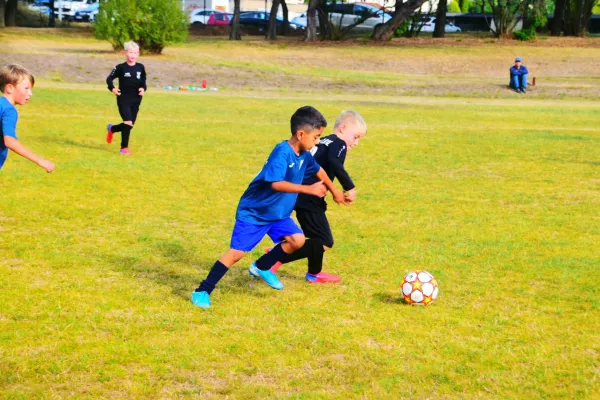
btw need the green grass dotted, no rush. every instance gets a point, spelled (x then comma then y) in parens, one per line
(500, 202)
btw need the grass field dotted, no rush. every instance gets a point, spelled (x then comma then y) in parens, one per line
(498, 198)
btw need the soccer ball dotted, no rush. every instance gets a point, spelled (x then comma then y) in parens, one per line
(419, 288)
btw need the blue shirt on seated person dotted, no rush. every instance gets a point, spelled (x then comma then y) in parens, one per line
(518, 76)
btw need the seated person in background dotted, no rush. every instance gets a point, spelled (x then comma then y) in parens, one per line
(518, 76)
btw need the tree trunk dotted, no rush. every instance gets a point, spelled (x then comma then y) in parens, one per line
(311, 21)
(403, 10)
(440, 19)
(286, 18)
(52, 19)
(2, 12)
(10, 15)
(272, 28)
(235, 33)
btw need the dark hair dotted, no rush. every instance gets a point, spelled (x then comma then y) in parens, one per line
(307, 117)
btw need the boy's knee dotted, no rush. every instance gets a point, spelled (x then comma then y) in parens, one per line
(296, 241)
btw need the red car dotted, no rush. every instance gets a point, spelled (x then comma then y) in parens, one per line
(219, 19)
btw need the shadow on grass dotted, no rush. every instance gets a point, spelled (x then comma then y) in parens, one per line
(388, 298)
(69, 142)
(182, 280)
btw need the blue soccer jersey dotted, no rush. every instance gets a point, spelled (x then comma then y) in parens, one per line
(260, 204)
(8, 125)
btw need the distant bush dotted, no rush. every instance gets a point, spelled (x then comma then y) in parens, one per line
(30, 18)
(525, 34)
(153, 24)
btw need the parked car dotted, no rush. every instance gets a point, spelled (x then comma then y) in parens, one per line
(87, 14)
(67, 8)
(41, 6)
(429, 26)
(346, 14)
(219, 19)
(257, 21)
(200, 16)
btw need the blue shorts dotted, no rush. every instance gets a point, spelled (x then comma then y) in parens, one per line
(246, 236)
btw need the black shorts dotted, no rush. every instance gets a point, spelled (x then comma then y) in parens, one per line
(128, 111)
(315, 226)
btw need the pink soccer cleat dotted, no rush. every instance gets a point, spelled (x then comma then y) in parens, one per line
(322, 277)
(125, 151)
(109, 133)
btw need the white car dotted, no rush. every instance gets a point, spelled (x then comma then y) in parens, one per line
(200, 16)
(41, 6)
(346, 14)
(429, 26)
(66, 9)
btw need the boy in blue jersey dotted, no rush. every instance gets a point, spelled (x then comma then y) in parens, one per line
(266, 206)
(15, 84)
(518, 76)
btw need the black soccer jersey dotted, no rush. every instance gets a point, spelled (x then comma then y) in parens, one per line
(131, 79)
(330, 154)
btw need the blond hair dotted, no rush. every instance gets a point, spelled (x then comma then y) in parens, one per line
(129, 45)
(350, 115)
(13, 74)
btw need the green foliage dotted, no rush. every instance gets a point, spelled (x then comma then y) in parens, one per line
(525, 34)
(465, 5)
(596, 9)
(153, 24)
(454, 7)
(30, 18)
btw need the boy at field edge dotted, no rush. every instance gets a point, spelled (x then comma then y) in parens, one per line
(330, 154)
(266, 206)
(15, 84)
(132, 86)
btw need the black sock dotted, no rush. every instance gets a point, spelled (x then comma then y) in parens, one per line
(214, 276)
(310, 247)
(315, 262)
(125, 136)
(117, 128)
(268, 260)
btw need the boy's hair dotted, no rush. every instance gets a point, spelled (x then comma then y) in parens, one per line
(130, 45)
(350, 115)
(307, 117)
(12, 74)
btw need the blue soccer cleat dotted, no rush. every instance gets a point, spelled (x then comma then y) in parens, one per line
(267, 276)
(201, 299)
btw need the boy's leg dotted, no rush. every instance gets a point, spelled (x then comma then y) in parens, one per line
(514, 82)
(132, 112)
(523, 83)
(244, 238)
(316, 226)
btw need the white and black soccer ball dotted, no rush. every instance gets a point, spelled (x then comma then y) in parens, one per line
(419, 288)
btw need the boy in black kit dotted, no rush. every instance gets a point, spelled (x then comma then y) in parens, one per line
(132, 86)
(330, 154)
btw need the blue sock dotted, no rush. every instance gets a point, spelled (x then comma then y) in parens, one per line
(268, 260)
(217, 272)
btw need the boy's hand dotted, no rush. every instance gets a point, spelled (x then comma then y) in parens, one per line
(47, 165)
(317, 189)
(351, 195)
(141, 91)
(116, 91)
(339, 197)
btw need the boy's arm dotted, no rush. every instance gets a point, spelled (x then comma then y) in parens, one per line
(316, 189)
(23, 151)
(111, 77)
(338, 195)
(336, 157)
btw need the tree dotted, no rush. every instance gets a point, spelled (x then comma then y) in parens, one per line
(52, 19)
(10, 13)
(235, 33)
(403, 10)
(572, 17)
(311, 21)
(440, 19)
(559, 15)
(505, 15)
(2, 12)
(286, 18)
(272, 26)
(153, 24)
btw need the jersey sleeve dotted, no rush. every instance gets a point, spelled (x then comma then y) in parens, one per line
(111, 77)
(276, 167)
(143, 78)
(336, 157)
(9, 123)
(312, 167)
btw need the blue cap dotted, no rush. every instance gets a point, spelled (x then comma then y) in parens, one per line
(518, 59)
